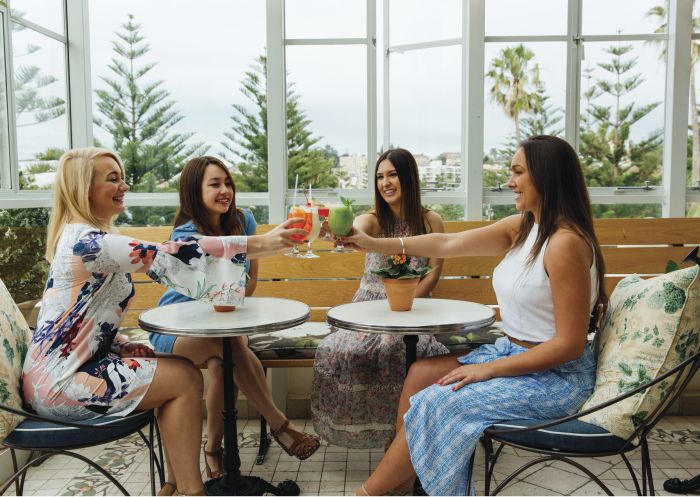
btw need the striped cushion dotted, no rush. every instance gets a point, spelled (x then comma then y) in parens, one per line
(571, 436)
(32, 434)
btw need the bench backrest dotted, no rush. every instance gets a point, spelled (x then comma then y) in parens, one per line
(641, 246)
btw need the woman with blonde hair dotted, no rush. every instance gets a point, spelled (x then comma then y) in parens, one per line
(78, 366)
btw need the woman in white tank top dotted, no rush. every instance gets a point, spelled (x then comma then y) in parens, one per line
(548, 285)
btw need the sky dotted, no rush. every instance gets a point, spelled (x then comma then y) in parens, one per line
(202, 51)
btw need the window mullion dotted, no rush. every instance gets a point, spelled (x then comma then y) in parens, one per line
(10, 172)
(574, 55)
(680, 14)
(371, 8)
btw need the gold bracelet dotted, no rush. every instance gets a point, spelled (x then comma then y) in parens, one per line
(403, 247)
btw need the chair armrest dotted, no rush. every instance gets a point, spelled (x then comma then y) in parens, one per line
(71, 424)
(605, 404)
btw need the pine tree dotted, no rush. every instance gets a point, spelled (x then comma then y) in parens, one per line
(247, 139)
(608, 155)
(139, 115)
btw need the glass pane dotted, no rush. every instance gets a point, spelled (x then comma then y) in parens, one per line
(206, 97)
(693, 176)
(40, 101)
(603, 17)
(325, 18)
(449, 212)
(46, 13)
(147, 216)
(524, 95)
(692, 209)
(23, 268)
(696, 16)
(544, 17)
(4, 126)
(621, 139)
(426, 112)
(335, 152)
(413, 21)
(601, 211)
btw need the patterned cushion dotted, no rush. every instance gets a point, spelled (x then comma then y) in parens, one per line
(15, 336)
(301, 341)
(650, 327)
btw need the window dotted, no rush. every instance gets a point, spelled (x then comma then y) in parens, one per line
(40, 98)
(5, 170)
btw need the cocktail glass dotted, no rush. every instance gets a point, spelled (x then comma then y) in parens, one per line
(296, 211)
(313, 226)
(340, 223)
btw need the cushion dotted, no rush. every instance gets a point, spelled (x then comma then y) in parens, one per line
(650, 326)
(301, 341)
(32, 434)
(571, 436)
(15, 336)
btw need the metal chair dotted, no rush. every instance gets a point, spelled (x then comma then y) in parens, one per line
(566, 438)
(50, 437)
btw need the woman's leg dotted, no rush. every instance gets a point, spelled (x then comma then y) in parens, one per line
(422, 374)
(395, 470)
(248, 375)
(176, 391)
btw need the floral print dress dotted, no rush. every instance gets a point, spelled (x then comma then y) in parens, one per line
(358, 377)
(73, 369)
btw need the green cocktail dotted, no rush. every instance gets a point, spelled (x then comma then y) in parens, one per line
(340, 222)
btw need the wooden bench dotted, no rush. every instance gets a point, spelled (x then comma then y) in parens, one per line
(630, 246)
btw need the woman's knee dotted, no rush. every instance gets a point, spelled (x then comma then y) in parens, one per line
(190, 376)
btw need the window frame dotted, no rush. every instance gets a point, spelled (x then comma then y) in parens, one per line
(673, 194)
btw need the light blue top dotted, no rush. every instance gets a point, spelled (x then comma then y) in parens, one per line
(189, 229)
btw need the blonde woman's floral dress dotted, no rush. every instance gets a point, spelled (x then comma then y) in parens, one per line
(73, 369)
(357, 377)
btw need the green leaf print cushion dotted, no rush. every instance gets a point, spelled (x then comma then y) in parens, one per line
(650, 326)
(15, 336)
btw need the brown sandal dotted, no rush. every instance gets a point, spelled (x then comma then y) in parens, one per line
(218, 453)
(303, 444)
(168, 488)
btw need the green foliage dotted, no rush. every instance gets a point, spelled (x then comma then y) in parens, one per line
(22, 245)
(347, 202)
(400, 267)
(608, 155)
(513, 81)
(139, 116)
(247, 139)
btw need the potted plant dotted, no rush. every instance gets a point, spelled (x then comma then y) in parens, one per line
(401, 278)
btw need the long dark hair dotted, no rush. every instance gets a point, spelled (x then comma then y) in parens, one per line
(411, 208)
(556, 173)
(192, 206)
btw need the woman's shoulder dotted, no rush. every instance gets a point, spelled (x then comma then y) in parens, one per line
(368, 222)
(566, 241)
(186, 229)
(434, 221)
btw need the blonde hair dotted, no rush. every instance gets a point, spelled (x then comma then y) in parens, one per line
(74, 176)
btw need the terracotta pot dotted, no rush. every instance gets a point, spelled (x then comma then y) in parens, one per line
(400, 293)
(224, 308)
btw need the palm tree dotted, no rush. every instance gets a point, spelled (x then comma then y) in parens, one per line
(659, 12)
(514, 82)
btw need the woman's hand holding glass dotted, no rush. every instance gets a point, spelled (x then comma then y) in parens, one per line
(358, 240)
(284, 235)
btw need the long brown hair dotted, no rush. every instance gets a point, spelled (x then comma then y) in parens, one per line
(411, 208)
(192, 205)
(556, 173)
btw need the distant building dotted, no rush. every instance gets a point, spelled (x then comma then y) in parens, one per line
(355, 169)
(442, 173)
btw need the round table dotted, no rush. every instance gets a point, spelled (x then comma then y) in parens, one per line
(427, 317)
(198, 319)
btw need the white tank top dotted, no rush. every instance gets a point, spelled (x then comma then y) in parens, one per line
(525, 296)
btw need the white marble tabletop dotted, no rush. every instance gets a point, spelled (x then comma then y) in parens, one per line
(198, 319)
(428, 316)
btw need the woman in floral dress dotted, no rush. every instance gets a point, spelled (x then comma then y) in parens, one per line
(78, 366)
(357, 377)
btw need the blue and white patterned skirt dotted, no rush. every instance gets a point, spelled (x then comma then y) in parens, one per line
(443, 427)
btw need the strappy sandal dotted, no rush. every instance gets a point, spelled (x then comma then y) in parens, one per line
(303, 444)
(168, 488)
(219, 454)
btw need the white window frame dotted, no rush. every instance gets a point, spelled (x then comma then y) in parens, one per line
(673, 195)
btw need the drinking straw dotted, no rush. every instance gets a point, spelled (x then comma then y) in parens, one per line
(311, 197)
(296, 183)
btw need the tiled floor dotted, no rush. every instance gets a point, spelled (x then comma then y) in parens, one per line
(675, 451)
